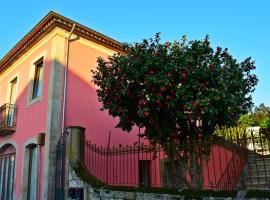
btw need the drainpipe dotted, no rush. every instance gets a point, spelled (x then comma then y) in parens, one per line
(65, 83)
(64, 106)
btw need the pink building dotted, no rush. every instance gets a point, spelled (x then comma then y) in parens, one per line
(45, 86)
(32, 87)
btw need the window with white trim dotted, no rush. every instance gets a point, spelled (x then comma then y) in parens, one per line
(7, 168)
(37, 81)
(32, 173)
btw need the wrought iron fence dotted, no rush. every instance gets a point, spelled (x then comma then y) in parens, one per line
(239, 159)
(8, 113)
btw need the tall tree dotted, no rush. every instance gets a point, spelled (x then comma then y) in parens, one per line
(260, 116)
(175, 91)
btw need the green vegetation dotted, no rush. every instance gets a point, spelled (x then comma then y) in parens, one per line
(260, 116)
(258, 194)
(84, 175)
(179, 92)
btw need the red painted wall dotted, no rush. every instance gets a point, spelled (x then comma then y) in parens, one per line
(30, 120)
(83, 108)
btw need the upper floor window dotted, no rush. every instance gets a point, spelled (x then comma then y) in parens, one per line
(37, 82)
(13, 88)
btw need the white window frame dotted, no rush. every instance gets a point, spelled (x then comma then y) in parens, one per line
(40, 58)
(25, 170)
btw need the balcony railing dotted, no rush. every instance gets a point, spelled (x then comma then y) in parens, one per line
(8, 113)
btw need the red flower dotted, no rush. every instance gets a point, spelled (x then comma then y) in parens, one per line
(162, 89)
(146, 114)
(211, 66)
(157, 53)
(152, 142)
(120, 109)
(167, 45)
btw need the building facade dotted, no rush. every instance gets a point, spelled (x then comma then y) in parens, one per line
(48, 67)
(45, 87)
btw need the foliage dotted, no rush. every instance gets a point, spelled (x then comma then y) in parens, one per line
(82, 172)
(258, 194)
(171, 89)
(84, 175)
(259, 117)
(230, 133)
(246, 121)
(167, 87)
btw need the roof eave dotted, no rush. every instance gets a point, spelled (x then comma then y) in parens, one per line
(48, 23)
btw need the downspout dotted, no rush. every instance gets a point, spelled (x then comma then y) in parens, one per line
(65, 83)
(64, 107)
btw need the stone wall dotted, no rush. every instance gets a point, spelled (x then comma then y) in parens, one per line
(91, 193)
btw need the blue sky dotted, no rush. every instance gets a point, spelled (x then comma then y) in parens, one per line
(243, 26)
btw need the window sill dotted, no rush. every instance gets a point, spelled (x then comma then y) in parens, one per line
(33, 101)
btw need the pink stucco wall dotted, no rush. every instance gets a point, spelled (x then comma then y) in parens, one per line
(30, 120)
(83, 108)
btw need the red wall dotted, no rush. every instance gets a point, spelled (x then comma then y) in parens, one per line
(30, 120)
(83, 108)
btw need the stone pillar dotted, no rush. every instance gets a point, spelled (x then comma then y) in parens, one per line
(74, 152)
(54, 108)
(75, 144)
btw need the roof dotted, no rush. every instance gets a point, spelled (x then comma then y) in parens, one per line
(48, 23)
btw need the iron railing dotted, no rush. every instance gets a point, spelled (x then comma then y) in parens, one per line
(236, 162)
(8, 116)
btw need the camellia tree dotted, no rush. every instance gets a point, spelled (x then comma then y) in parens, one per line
(179, 92)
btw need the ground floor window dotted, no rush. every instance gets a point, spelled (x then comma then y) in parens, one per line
(7, 168)
(32, 173)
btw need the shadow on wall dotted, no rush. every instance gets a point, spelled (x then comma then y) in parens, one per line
(83, 109)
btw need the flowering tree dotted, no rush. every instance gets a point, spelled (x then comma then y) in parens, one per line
(175, 91)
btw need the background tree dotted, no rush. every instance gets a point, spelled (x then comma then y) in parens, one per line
(260, 116)
(171, 89)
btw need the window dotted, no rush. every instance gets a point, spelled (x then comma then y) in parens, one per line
(144, 172)
(13, 88)
(7, 166)
(37, 82)
(10, 111)
(32, 173)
